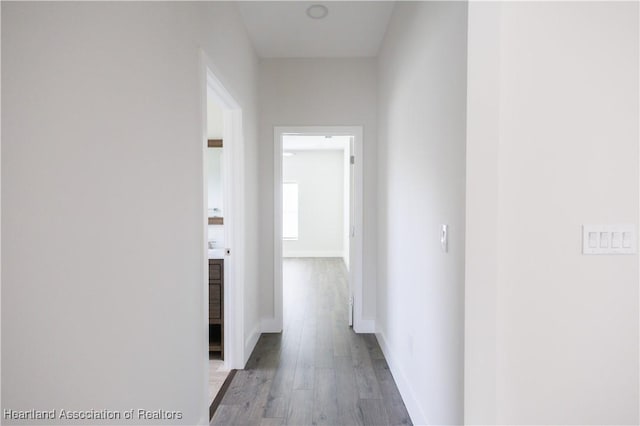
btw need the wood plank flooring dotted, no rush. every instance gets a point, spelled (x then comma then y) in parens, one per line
(317, 371)
(217, 375)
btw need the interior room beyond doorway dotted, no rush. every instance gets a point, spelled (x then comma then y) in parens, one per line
(315, 195)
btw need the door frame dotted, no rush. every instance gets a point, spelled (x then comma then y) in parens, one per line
(355, 241)
(233, 177)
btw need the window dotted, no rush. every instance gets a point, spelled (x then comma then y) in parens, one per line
(290, 211)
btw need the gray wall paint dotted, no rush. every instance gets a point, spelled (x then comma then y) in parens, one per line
(422, 104)
(102, 201)
(317, 92)
(552, 335)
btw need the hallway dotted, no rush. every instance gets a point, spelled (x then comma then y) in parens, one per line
(318, 371)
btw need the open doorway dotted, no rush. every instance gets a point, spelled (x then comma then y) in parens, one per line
(215, 178)
(318, 216)
(223, 349)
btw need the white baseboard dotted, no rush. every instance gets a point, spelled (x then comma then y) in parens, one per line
(406, 391)
(304, 253)
(365, 326)
(250, 343)
(270, 325)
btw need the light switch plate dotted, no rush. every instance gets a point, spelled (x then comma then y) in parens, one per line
(609, 239)
(444, 238)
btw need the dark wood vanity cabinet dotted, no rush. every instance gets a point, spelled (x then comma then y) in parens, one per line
(216, 306)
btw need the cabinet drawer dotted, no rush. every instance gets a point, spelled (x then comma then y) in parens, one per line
(215, 301)
(215, 270)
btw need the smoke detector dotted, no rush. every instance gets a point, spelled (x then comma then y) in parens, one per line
(317, 11)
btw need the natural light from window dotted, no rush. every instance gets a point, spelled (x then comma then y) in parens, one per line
(290, 211)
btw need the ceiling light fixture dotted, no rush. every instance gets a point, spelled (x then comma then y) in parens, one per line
(317, 11)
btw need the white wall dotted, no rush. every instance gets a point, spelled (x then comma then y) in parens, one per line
(481, 245)
(214, 179)
(320, 179)
(215, 195)
(421, 181)
(317, 92)
(215, 120)
(559, 331)
(99, 309)
(214, 166)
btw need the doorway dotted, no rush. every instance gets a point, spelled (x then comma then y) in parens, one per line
(288, 219)
(223, 227)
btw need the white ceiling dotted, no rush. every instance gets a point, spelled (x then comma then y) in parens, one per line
(282, 29)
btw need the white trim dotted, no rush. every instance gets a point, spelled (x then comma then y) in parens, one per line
(270, 325)
(277, 230)
(304, 253)
(412, 403)
(233, 183)
(251, 342)
(346, 202)
(367, 326)
(355, 249)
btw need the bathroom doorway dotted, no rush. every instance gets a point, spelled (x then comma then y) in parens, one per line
(223, 229)
(215, 178)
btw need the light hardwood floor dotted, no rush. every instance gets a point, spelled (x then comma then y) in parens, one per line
(317, 371)
(217, 375)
